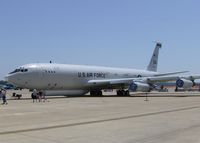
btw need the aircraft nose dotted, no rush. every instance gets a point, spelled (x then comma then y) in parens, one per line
(9, 78)
(6, 78)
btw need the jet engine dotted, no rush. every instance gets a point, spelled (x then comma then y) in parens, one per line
(139, 86)
(184, 83)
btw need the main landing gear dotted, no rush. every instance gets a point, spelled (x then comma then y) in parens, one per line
(96, 93)
(119, 93)
(123, 93)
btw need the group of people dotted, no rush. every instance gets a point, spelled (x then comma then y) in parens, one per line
(3, 96)
(38, 96)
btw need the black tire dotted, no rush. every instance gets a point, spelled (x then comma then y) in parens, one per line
(96, 93)
(100, 93)
(119, 93)
(122, 92)
(127, 93)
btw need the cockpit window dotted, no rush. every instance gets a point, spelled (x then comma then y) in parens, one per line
(19, 70)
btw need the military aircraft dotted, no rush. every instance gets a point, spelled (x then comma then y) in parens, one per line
(63, 79)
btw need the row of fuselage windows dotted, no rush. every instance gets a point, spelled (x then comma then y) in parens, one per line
(50, 71)
(19, 70)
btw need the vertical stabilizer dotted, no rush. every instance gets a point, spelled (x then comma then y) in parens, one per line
(154, 59)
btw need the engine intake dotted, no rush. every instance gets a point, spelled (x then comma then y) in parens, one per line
(184, 83)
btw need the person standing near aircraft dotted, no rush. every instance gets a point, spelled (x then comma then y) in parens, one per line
(34, 95)
(43, 96)
(40, 96)
(0, 94)
(3, 92)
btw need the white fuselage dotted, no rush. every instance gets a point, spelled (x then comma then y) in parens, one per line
(67, 77)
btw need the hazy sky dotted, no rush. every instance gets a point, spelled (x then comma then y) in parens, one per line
(117, 33)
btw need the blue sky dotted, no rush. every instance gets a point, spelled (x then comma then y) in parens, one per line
(117, 33)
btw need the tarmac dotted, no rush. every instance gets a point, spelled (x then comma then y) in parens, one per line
(155, 118)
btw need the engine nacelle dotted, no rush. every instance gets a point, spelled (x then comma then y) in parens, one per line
(138, 86)
(184, 83)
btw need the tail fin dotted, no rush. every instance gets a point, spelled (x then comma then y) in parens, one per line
(154, 59)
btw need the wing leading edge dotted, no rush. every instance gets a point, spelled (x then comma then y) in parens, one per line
(126, 82)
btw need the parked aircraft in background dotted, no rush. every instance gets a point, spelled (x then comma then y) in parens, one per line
(6, 86)
(62, 79)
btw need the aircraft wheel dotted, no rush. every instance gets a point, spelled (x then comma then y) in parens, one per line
(96, 93)
(122, 93)
(100, 93)
(127, 93)
(92, 93)
(118, 92)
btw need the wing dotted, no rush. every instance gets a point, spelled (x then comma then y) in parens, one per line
(171, 73)
(139, 82)
(127, 81)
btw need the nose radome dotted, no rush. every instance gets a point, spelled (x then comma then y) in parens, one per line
(9, 78)
(6, 78)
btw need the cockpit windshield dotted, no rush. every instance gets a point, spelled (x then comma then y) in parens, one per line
(19, 70)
